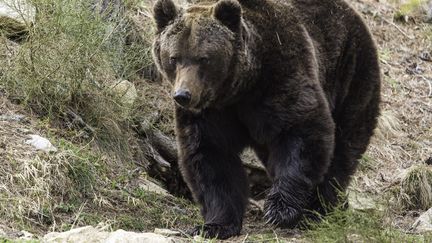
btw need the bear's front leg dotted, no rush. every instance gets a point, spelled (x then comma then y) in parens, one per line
(209, 161)
(296, 162)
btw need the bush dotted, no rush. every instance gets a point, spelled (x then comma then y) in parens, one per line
(73, 58)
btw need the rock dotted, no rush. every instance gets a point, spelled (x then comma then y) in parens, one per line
(14, 117)
(424, 223)
(256, 206)
(41, 143)
(83, 234)
(26, 235)
(121, 236)
(16, 16)
(126, 91)
(94, 235)
(152, 187)
(361, 202)
(166, 232)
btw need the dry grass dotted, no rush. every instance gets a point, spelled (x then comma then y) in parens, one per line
(416, 189)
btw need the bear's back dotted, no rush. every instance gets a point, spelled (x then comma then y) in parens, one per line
(340, 38)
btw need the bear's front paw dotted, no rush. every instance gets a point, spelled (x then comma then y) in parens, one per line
(279, 212)
(215, 231)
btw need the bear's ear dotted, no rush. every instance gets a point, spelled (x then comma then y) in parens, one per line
(164, 11)
(229, 13)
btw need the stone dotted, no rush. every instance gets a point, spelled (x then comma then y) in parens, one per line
(424, 223)
(26, 235)
(361, 202)
(126, 91)
(16, 15)
(13, 117)
(95, 235)
(150, 186)
(121, 236)
(166, 232)
(41, 143)
(83, 234)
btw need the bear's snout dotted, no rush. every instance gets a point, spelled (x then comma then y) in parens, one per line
(182, 97)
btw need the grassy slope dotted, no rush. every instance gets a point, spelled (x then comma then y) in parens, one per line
(69, 65)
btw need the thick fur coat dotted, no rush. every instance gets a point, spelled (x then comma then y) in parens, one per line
(296, 80)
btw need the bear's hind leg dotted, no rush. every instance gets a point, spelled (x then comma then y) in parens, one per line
(355, 118)
(352, 139)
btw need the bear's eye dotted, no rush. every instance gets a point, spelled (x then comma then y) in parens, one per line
(204, 60)
(173, 61)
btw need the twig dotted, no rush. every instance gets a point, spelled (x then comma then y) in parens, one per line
(77, 118)
(429, 82)
(247, 236)
(80, 210)
(398, 28)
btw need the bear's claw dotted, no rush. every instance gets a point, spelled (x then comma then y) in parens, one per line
(280, 213)
(215, 231)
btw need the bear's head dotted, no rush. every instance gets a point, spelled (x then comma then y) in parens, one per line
(196, 50)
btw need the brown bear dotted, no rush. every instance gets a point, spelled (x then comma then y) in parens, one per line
(296, 80)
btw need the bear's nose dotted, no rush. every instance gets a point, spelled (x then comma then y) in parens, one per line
(182, 97)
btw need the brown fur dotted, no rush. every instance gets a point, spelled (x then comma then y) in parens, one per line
(297, 80)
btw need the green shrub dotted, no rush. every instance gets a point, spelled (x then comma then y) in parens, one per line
(71, 61)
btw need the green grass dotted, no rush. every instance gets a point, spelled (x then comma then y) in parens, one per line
(385, 55)
(358, 226)
(367, 163)
(407, 8)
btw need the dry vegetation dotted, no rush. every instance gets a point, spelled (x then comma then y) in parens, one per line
(62, 78)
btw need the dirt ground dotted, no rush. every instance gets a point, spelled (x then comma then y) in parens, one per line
(404, 137)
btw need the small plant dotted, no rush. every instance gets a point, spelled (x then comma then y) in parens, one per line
(367, 163)
(416, 189)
